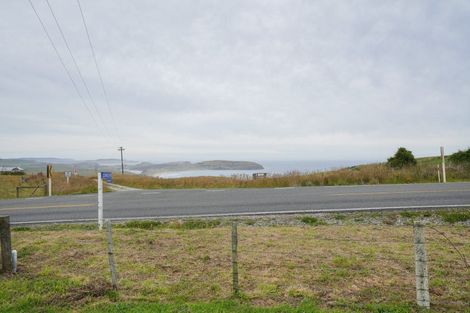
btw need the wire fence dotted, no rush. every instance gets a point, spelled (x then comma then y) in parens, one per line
(330, 264)
(332, 268)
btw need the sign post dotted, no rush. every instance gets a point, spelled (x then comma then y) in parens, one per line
(67, 176)
(100, 201)
(49, 179)
(107, 177)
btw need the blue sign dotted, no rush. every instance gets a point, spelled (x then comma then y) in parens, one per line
(107, 177)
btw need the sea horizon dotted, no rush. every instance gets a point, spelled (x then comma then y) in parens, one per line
(270, 167)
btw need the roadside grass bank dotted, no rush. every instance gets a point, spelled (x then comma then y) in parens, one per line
(424, 172)
(349, 262)
(77, 185)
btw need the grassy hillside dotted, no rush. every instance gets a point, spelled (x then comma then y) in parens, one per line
(424, 172)
(323, 263)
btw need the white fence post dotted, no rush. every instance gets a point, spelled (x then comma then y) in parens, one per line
(438, 174)
(422, 278)
(100, 201)
(444, 178)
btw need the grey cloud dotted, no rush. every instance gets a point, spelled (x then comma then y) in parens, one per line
(245, 78)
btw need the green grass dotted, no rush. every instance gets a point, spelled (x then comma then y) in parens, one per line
(223, 306)
(182, 224)
(141, 224)
(416, 214)
(455, 216)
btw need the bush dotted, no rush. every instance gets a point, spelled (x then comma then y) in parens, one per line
(310, 220)
(402, 158)
(460, 157)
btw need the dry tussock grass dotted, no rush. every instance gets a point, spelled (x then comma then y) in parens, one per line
(77, 185)
(365, 174)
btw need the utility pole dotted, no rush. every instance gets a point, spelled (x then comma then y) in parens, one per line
(122, 160)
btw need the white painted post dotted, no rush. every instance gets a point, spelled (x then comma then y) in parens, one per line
(100, 201)
(422, 278)
(438, 174)
(49, 186)
(444, 180)
(14, 260)
(67, 180)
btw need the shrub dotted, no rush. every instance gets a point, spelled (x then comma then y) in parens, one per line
(310, 220)
(460, 157)
(402, 158)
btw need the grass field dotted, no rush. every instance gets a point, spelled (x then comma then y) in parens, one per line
(185, 265)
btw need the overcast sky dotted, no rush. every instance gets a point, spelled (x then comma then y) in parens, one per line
(254, 80)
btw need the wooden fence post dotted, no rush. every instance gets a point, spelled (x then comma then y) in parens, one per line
(5, 238)
(236, 290)
(112, 265)
(422, 278)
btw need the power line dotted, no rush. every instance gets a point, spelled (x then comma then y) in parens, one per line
(78, 69)
(98, 69)
(63, 63)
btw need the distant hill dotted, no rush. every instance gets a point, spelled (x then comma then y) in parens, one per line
(88, 167)
(151, 169)
(229, 165)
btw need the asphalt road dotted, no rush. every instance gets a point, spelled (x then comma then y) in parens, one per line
(137, 204)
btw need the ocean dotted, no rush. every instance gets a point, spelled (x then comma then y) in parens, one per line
(270, 167)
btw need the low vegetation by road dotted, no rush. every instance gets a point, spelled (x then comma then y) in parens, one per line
(424, 172)
(358, 262)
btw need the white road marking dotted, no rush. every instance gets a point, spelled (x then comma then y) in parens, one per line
(151, 193)
(396, 192)
(51, 206)
(283, 188)
(214, 190)
(411, 207)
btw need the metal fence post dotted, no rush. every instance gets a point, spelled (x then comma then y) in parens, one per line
(422, 278)
(236, 290)
(112, 265)
(5, 238)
